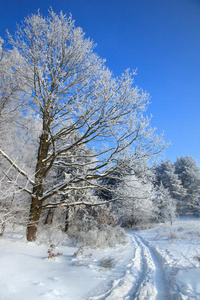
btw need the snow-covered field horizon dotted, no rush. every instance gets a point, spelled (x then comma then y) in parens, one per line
(158, 263)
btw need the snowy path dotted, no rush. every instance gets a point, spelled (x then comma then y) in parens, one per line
(143, 277)
(152, 283)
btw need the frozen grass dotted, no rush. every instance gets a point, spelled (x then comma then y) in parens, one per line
(180, 232)
(107, 236)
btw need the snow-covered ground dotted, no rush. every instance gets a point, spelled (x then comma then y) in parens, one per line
(159, 263)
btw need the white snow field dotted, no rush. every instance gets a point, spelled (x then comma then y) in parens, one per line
(160, 263)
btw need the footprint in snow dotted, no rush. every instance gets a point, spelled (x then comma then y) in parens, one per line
(53, 293)
(39, 283)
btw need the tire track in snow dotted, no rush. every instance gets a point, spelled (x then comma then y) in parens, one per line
(121, 287)
(143, 279)
(126, 286)
(152, 284)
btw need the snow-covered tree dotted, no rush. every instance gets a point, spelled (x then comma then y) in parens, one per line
(165, 174)
(189, 173)
(164, 205)
(72, 91)
(137, 205)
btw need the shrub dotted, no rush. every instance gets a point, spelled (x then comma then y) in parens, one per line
(97, 236)
(107, 263)
(51, 252)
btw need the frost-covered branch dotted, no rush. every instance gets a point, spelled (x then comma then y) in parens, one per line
(15, 184)
(16, 167)
(78, 203)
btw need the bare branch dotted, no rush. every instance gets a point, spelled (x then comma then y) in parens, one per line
(14, 183)
(23, 173)
(78, 203)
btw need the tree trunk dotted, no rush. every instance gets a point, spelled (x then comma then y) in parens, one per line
(49, 217)
(34, 216)
(3, 226)
(67, 220)
(36, 204)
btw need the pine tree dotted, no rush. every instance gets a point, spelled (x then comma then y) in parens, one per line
(165, 174)
(189, 173)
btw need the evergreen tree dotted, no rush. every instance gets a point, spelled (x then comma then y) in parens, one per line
(165, 174)
(189, 173)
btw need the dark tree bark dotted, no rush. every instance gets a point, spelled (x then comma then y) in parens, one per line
(67, 220)
(34, 216)
(36, 203)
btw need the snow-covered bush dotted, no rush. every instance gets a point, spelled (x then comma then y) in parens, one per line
(98, 237)
(95, 226)
(107, 263)
(51, 235)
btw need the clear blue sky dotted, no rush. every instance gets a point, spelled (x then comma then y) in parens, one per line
(161, 38)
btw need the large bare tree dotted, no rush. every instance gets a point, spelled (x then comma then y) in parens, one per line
(75, 95)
